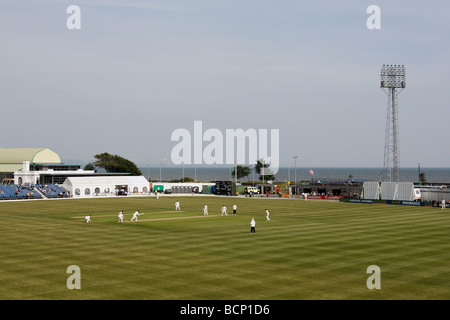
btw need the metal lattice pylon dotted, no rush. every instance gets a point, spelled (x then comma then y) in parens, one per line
(392, 78)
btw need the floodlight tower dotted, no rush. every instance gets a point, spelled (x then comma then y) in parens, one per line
(392, 78)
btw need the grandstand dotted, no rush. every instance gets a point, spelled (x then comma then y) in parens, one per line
(15, 192)
(18, 192)
(52, 190)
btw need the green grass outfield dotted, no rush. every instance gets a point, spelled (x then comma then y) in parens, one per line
(309, 250)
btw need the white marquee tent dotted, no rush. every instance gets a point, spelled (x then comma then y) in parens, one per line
(105, 185)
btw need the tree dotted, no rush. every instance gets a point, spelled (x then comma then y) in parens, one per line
(260, 168)
(89, 166)
(422, 177)
(186, 179)
(115, 163)
(242, 172)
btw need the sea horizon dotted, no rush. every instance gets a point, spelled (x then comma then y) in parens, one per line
(284, 174)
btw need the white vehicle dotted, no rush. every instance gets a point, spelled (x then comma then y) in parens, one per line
(253, 190)
(417, 194)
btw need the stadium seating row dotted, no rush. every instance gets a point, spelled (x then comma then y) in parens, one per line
(18, 192)
(13, 191)
(52, 190)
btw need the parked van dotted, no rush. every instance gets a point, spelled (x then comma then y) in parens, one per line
(252, 190)
(417, 195)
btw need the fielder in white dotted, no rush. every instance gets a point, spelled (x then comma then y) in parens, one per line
(443, 204)
(88, 218)
(120, 216)
(224, 211)
(267, 215)
(205, 210)
(252, 226)
(177, 205)
(135, 215)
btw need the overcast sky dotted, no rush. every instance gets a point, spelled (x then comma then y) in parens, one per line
(137, 70)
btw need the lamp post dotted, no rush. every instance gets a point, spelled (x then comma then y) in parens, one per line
(289, 172)
(419, 170)
(253, 174)
(160, 165)
(289, 175)
(264, 171)
(295, 174)
(235, 168)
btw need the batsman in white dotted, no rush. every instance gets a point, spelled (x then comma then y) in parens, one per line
(224, 210)
(120, 216)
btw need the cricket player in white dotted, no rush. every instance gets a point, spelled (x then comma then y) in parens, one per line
(177, 205)
(120, 216)
(443, 204)
(135, 215)
(252, 226)
(88, 218)
(205, 210)
(267, 215)
(224, 211)
(234, 208)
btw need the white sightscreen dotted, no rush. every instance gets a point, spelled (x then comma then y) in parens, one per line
(389, 190)
(406, 191)
(371, 190)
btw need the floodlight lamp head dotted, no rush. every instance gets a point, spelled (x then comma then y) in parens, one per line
(393, 76)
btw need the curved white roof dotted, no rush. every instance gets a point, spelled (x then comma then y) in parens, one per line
(106, 180)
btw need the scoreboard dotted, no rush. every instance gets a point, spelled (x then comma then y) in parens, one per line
(225, 188)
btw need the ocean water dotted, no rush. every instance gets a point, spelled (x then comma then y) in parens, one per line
(205, 174)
